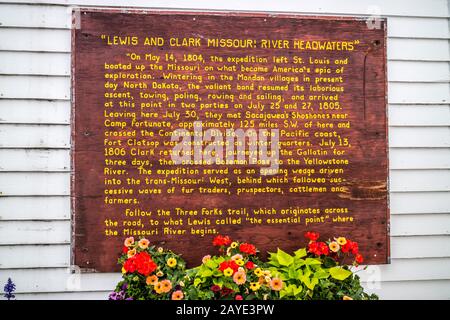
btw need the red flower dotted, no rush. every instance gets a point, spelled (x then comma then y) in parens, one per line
(354, 249)
(221, 241)
(238, 297)
(124, 249)
(249, 265)
(215, 288)
(229, 264)
(247, 248)
(226, 291)
(359, 259)
(324, 248)
(313, 236)
(318, 248)
(130, 265)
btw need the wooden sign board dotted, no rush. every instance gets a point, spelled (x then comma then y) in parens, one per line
(318, 82)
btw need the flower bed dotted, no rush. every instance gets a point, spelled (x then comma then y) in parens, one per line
(320, 271)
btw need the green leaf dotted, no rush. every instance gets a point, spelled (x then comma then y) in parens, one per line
(292, 272)
(300, 253)
(283, 293)
(206, 273)
(284, 258)
(211, 264)
(197, 281)
(321, 274)
(312, 261)
(339, 273)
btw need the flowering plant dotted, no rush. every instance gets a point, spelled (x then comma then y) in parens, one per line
(236, 273)
(149, 272)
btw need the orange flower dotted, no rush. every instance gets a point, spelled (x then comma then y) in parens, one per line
(276, 284)
(239, 277)
(347, 298)
(143, 243)
(158, 288)
(166, 286)
(131, 253)
(151, 280)
(177, 295)
(128, 242)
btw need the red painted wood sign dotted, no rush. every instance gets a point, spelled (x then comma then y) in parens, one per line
(256, 126)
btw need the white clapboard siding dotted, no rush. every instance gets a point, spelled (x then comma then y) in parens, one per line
(419, 180)
(67, 295)
(419, 93)
(35, 208)
(411, 290)
(34, 136)
(34, 160)
(420, 137)
(59, 280)
(420, 71)
(35, 63)
(58, 17)
(415, 8)
(407, 270)
(417, 158)
(419, 202)
(34, 256)
(16, 15)
(418, 49)
(423, 224)
(34, 183)
(420, 247)
(419, 115)
(34, 111)
(34, 232)
(37, 87)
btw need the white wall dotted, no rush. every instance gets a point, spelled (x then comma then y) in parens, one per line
(35, 142)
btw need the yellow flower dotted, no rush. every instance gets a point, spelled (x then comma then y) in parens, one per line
(239, 262)
(177, 295)
(237, 257)
(228, 272)
(255, 286)
(267, 273)
(258, 272)
(123, 270)
(143, 243)
(166, 286)
(131, 253)
(151, 280)
(158, 288)
(234, 245)
(172, 262)
(159, 274)
(347, 298)
(128, 242)
(341, 240)
(160, 250)
(276, 284)
(181, 283)
(239, 278)
(334, 246)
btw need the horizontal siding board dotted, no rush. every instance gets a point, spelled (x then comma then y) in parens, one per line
(35, 183)
(418, 49)
(34, 111)
(34, 136)
(45, 40)
(419, 137)
(407, 270)
(419, 180)
(435, 8)
(419, 115)
(33, 16)
(59, 159)
(59, 280)
(411, 71)
(34, 256)
(420, 202)
(411, 290)
(34, 160)
(35, 63)
(34, 232)
(420, 247)
(37, 87)
(424, 224)
(419, 93)
(417, 158)
(45, 16)
(35, 208)
(69, 295)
